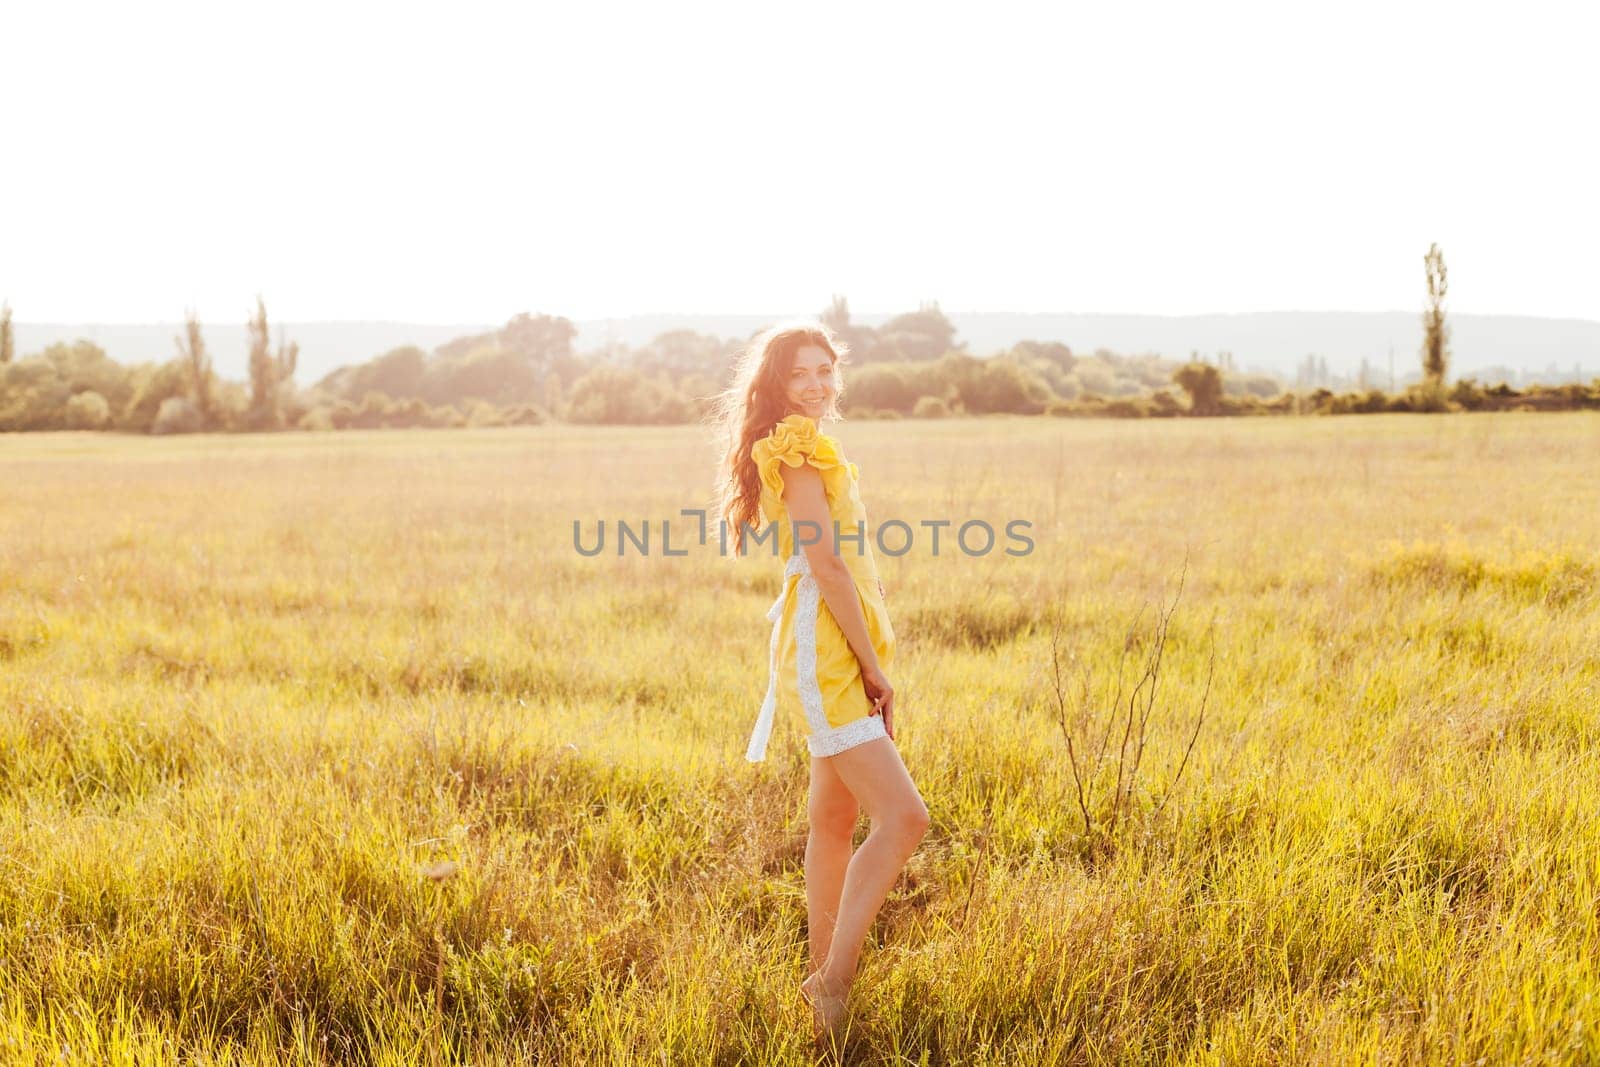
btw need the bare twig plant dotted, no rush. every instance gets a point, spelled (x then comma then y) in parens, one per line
(1106, 747)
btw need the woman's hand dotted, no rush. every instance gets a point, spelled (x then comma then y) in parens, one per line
(881, 693)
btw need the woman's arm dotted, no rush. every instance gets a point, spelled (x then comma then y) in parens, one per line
(807, 502)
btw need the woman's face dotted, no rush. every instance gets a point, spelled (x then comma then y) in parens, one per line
(811, 382)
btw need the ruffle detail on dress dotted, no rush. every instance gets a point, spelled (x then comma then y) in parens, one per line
(795, 440)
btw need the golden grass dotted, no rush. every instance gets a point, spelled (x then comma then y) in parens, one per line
(325, 748)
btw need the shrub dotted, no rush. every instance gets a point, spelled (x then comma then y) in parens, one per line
(408, 414)
(178, 414)
(490, 372)
(882, 385)
(930, 407)
(343, 415)
(317, 420)
(1203, 383)
(1429, 397)
(1263, 385)
(1053, 352)
(1373, 401)
(525, 415)
(613, 396)
(153, 386)
(32, 395)
(398, 372)
(483, 413)
(373, 414)
(1066, 386)
(996, 386)
(1468, 394)
(87, 410)
(1163, 405)
(1370, 402)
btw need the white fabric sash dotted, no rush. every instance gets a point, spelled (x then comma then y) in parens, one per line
(805, 629)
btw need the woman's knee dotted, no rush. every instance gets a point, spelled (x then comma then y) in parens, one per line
(834, 818)
(908, 820)
(920, 819)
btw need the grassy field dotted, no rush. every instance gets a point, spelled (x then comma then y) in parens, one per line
(331, 748)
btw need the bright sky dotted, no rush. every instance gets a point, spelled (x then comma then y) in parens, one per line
(460, 163)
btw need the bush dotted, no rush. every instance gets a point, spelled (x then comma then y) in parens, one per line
(525, 415)
(612, 396)
(1093, 377)
(153, 385)
(1370, 402)
(1123, 408)
(398, 372)
(1468, 394)
(930, 407)
(1090, 406)
(343, 415)
(1429, 397)
(409, 414)
(1203, 383)
(484, 413)
(492, 373)
(882, 385)
(1163, 405)
(316, 420)
(373, 414)
(1398, 402)
(1262, 385)
(87, 410)
(999, 385)
(178, 414)
(1052, 352)
(32, 395)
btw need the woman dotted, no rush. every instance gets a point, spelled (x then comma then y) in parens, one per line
(831, 642)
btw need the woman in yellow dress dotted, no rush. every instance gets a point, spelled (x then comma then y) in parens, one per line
(831, 641)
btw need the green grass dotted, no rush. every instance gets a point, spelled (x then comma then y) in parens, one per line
(255, 688)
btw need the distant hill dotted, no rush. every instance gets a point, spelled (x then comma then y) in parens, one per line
(1267, 341)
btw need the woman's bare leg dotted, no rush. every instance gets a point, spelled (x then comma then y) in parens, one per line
(833, 812)
(877, 778)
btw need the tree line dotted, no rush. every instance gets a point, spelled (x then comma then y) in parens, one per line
(528, 372)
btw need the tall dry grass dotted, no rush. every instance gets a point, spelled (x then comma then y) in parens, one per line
(331, 749)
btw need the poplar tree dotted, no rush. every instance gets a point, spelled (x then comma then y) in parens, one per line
(268, 372)
(8, 343)
(1436, 335)
(197, 361)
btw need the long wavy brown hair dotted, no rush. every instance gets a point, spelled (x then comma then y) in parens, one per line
(753, 403)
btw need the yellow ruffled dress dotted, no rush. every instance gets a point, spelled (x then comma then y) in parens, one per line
(814, 675)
